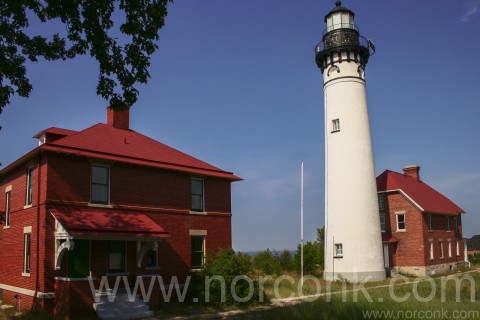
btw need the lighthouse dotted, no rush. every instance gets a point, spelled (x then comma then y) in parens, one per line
(353, 245)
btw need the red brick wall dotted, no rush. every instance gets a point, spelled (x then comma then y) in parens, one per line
(413, 248)
(163, 195)
(132, 185)
(12, 238)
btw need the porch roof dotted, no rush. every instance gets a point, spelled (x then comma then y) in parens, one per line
(107, 224)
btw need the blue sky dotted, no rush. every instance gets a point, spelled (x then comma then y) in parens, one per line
(234, 83)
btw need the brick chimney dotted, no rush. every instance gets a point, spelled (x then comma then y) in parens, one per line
(412, 171)
(118, 119)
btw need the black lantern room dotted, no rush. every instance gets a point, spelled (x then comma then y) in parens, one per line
(342, 40)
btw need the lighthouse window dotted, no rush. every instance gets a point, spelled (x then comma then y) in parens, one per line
(338, 249)
(335, 125)
(400, 221)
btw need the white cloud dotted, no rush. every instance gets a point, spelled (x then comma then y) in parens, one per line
(473, 7)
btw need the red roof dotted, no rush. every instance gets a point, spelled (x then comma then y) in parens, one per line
(107, 142)
(57, 131)
(424, 196)
(104, 223)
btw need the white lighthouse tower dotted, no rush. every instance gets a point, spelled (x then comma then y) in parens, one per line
(353, 245)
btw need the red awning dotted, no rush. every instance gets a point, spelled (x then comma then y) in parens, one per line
(387, 238)
(107, 224)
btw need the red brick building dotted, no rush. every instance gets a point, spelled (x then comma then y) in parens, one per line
(421, 228)
(105, 201)
(473, 246)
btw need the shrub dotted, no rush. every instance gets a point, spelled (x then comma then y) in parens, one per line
(285, 261)
(227, 265)
(312, 258)
(266, 262)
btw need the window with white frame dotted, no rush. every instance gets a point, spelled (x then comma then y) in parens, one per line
(29, 186)
(457, 248)
(401, 223)
(100, 185)
(197, 190)
(338, 249)
(449, 248)
(26, 253)
(441, 249)
(383, 226)
(335, 125)
(7, 208)
(431, 250)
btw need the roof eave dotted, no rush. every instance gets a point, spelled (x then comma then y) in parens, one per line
(21, 160)
(98, 155)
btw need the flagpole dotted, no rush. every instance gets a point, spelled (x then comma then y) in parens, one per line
(301, 228)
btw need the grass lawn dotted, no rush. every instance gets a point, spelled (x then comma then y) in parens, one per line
(422, 300)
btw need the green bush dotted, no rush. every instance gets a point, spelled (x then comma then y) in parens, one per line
(226, 265)
(266, 263)
(285, 261)
(312, 258)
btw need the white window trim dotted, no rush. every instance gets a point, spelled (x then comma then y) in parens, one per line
(432, 254)
(8, 207)
(441, 249)
(457, 248)
(336, 125)
(449, 248)
(404, 220)
(29, 205)
(27, 230)
(338, 246)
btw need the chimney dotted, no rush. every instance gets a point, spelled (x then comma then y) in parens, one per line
(118, 119)
(412, 171)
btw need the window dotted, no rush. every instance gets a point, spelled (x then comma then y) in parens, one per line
(29, 186)
(152, 261)
(457, 248)
(338, 249)
(7, 209)
(448, 223)
(455, 220)
(100, 185)
(401, 225)
(197, 195)
(381, 201)
(449, 248)
(116, 256)
(431, 250)
(441, 249)
(335, 125)
(26, 256)
(429, 221)
(382, 222)
(198, 251)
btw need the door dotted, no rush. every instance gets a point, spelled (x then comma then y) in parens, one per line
(79, 260)
(386, 256)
